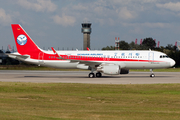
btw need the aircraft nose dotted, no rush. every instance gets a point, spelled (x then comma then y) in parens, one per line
(172, 62)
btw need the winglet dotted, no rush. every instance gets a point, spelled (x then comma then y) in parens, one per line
(88, 49)
(55, 52)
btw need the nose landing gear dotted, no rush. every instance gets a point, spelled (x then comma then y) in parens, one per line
(152, 74)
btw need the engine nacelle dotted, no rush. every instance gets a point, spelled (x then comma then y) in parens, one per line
(82, 66)
(109, 69)
(124, 71)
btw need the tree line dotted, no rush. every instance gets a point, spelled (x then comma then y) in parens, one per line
(148, 43)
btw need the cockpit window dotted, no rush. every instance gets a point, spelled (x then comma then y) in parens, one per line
(164, 56)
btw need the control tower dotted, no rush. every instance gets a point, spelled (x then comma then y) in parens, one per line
(86, 30)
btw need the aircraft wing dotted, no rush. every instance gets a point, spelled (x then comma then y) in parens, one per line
(88, 63)
(85, 62)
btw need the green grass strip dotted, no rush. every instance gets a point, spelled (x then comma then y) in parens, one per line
(61, 101)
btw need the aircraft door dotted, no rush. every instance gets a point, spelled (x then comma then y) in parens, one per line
(41, 58)
(151, 57)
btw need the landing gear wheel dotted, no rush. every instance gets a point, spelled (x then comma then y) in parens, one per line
(152, 75)
(98, 74)
(91, 75)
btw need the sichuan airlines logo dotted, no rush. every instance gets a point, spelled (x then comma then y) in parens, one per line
(21, 39)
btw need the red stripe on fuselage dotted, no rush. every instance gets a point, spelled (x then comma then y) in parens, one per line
(88, 58)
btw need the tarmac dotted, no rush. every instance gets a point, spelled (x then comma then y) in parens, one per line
(82, 77)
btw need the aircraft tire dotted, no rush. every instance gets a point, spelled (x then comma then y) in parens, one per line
(152, 75)
(91, 75)
(98, 74)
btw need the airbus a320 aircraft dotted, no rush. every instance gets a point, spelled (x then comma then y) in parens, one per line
(107, 62)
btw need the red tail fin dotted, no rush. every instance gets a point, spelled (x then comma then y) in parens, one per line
(25, 45)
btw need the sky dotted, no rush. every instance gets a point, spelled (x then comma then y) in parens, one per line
(57, 23)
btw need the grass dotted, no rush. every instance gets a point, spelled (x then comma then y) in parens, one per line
(89, 102)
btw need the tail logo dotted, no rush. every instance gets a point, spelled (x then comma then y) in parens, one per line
(21, 39)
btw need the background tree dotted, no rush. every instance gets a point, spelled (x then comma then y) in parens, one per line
(171, 47)
(149, 43)
(133, 46)
(108, 48)
(124, 45)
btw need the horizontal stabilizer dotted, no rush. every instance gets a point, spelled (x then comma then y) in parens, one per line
(18, 56)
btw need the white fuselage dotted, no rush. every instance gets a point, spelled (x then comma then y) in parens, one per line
(136, 59)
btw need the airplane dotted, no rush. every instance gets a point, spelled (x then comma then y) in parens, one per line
(106, 62)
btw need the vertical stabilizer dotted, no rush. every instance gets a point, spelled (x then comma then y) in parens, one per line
(25, 45)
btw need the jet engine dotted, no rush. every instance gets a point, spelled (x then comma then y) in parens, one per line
(112, 70)
(109, 69)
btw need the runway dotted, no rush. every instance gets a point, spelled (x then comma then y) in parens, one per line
(82, 77)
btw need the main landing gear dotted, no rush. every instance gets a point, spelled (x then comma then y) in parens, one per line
(152, 74)
(92, 75)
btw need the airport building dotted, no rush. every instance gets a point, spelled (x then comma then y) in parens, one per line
(86, 30)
